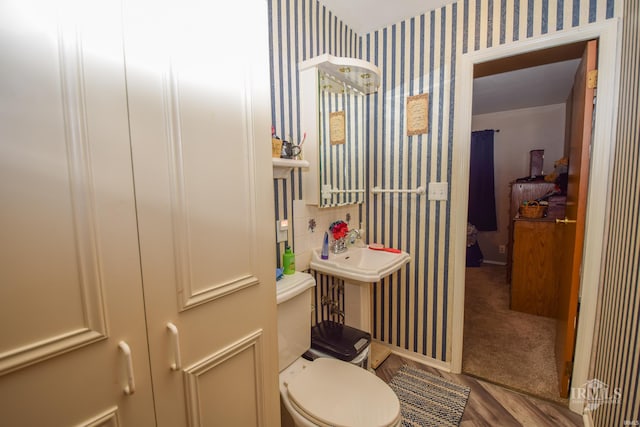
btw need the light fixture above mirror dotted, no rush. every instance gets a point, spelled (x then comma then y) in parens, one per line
(360, 76)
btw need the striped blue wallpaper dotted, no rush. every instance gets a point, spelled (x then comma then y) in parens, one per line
(299, 30)
(616, 362)
(412, 309)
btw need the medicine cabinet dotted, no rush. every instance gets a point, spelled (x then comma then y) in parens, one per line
(333, 94)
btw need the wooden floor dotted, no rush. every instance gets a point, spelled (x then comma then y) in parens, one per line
(492, 405)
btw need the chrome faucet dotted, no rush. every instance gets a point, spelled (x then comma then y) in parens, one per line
(353, 236)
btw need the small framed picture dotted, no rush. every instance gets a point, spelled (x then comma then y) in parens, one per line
(336, 128)
(417, 114)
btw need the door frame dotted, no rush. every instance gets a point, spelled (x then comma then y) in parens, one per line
(608, 33)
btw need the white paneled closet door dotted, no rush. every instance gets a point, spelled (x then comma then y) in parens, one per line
(198, 90)
(70, 279)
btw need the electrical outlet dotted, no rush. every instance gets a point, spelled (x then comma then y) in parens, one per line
(282, 230)
(502, 249)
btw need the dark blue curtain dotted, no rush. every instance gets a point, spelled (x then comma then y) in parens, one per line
(482, 197)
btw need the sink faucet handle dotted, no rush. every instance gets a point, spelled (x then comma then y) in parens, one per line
(354, 236)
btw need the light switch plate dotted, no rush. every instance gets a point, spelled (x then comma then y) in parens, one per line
(438, 190)
(282, 230)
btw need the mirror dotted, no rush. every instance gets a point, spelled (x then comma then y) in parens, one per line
(332, 112)
(341, 137)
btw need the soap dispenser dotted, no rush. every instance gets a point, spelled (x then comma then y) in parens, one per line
(288, 261)
(325, 246)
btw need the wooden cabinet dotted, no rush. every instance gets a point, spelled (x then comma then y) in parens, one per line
(534, 282)
(135, 177)
(518, 193)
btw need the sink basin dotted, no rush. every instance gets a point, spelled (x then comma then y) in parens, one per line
(360, 264)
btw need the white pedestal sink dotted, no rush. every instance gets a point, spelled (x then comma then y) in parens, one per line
(360, 268)
(360, 264)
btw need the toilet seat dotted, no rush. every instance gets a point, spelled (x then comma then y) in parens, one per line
(331, 392)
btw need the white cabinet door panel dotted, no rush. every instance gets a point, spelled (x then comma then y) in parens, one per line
(198, 83)
(70, 285)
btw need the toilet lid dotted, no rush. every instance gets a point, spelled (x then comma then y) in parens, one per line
(337, 393)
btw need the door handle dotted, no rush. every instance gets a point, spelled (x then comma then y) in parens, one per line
(130, 388)
(177, 360)
(565, 221)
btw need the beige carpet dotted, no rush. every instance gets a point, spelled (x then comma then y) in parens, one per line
(503, 346)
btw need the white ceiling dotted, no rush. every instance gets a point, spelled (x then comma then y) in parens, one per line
(365, 16)
(532, 87)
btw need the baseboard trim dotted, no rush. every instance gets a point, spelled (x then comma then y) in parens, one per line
(425, 360)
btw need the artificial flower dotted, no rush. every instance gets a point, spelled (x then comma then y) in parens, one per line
(339, 229)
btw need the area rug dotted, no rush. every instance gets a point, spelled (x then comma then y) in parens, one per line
(428, 400)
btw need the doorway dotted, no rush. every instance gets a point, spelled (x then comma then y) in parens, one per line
(527, 110)
(604, 133)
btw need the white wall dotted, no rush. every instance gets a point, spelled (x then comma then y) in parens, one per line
(520, 132)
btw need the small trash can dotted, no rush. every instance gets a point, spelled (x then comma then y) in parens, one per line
(338, 341)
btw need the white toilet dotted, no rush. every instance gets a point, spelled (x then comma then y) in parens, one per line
(325, 392)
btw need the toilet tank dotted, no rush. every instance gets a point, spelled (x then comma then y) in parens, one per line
(294, 316)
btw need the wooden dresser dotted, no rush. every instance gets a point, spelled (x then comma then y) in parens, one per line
(534, 281)
(518, 193)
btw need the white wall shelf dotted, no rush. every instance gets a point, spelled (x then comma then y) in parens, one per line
(282, 167)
